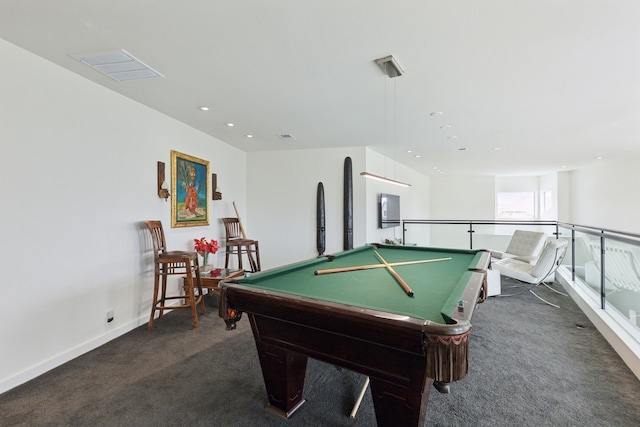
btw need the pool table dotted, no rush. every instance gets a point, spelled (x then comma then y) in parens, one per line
(364, 320)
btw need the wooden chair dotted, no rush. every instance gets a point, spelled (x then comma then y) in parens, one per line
(174, 262)
(238, 245)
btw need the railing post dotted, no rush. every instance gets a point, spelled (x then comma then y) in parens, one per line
(471, 234)
(602, 275)
(573, 254)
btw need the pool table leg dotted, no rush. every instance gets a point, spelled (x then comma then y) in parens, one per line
(284, 372)
(399, 406)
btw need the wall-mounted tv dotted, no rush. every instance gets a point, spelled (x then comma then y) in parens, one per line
(389, 211)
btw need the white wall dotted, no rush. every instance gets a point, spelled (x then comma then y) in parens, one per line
(564, 196)
(607, 195)
(282, 190)
(548, 183)
(460, 198)
(78, 174)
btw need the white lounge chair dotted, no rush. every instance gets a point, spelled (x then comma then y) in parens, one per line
(537, 273)
(524, 246)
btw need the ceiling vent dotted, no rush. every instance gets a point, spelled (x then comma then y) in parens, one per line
(287, 137)
(120, 65)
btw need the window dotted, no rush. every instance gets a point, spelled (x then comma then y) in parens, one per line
(516, 205)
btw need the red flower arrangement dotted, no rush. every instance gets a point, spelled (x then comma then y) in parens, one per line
(203, 247)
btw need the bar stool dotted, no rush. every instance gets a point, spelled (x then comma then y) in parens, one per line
(238, 245)
(173, 262)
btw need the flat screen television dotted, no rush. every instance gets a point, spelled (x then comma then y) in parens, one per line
(389, 210)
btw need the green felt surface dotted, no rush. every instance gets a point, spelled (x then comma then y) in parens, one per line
(436, 285)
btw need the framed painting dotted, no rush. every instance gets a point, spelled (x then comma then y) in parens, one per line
(190, 204)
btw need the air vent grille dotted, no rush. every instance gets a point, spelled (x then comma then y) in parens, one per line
(120, 65)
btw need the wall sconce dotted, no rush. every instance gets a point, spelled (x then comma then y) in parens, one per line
(215, 191)
(163, 187)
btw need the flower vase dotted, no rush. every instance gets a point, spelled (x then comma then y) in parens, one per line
(205, 261)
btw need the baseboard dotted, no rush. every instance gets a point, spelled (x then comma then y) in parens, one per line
(627, 347)
(60, 359)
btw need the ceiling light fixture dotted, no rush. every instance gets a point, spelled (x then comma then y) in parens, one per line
(383, 179)
(391, 68)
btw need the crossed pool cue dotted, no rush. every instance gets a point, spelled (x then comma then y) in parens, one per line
(389, 266)
(395, 275)
(370, 266)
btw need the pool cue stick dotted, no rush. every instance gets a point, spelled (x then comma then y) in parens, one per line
(402, 283)
(370, 266)
(244, 235)
(359, 400)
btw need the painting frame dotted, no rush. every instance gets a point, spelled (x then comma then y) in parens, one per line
(189, 190)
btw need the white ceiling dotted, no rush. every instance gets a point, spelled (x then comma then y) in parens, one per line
(552, 83)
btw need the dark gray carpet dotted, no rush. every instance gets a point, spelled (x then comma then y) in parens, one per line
(531, 365)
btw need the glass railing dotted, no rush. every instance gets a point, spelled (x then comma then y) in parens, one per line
(603, 263)
(469, 234)
(606, 264)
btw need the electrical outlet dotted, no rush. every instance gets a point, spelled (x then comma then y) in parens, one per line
(109, 316)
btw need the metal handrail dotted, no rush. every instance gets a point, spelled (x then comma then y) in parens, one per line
(600, 232)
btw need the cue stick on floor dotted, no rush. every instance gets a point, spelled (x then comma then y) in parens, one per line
(359, 399)
(402, 283)
(370, 266)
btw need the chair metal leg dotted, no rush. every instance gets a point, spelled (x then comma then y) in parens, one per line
(555, 290)
(543, 300)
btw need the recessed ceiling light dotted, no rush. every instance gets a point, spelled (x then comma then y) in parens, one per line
(231, 124)
(564, 166)
(497, 148)
(436, 113)
(452, 137)
(249, 135)
(204, 108)
(418, 156)
(462, 149)
(445, 127)
(408, 151)
(599, 158)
